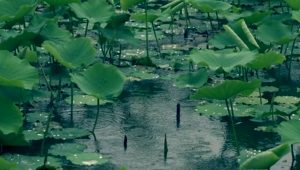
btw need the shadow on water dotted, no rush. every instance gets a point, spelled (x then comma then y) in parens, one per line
(146, 112)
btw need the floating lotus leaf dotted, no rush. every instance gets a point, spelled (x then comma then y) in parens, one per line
(87, 159)
(194, 80)
(290, 100)
(227, 89)
(210, 5)
(65, 149)
(86, 100)
(31, 162)
(137, 74)
(220, 59)
(93, 10)
(218, 109)
(126, 4)
(250, 100)
(37, 117)
(274, 32)
(270, 89)
(100, 80)
(266, 159)
(11, 117)
(295, 4)
(289, 131)
(266, 60)
(16, 73)
(72, 54)
(60, 2)
(6, 165)
(68, 133)
(296, 15)
(13, 10)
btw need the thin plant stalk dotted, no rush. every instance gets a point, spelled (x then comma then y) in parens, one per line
(210, 21)
(156, 39)
(231, 106)
(72, 102)
(259, 89)
(86, 28)
(147, 31)
(97, 116)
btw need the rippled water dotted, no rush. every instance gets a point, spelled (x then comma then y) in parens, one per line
(146, 112)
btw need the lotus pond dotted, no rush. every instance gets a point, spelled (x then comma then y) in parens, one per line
(148, 84)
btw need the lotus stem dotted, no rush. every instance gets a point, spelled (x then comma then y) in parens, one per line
(178, 115)
(72, 103)
(165, 148)
(187, 17)
(228, 108)
(231, 106)
(259, 89)
(210, 21)
(156, 39)
(120, 54)
(147, 31)
(97, 116)
(125, 142)
(272, 107)
(86, 28)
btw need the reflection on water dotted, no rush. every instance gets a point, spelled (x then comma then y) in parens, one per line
(145, 112)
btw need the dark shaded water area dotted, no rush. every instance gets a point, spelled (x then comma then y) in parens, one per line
(146, 112)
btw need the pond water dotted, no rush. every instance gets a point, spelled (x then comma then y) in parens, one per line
(146, 112)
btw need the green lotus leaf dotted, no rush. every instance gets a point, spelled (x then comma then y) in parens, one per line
(222, 40)
(37, 117)
(270, 89)
(141, 16)
(14, 10)
(93, 10)
(68, 133)
(274, 32)
(18, 95)
(11, 117)
(290, 100)
(241, 35)
(172, 10)
(220, 109)
(100, 80)
(31, 162)
(65, 149)
(289, 131)
(86, 158)
(73, 54)
(220, 59)
(86, 100)
(193, 80)
(296, 15)
(11, 40)
(117, 20)
(227, 89)
(266, 159)
(294, 4)
(250, 100)
(210, 5)
(122, 34)
(266, 60)
(6, 165)
(60, 2)
(126, 4)
(137, 74)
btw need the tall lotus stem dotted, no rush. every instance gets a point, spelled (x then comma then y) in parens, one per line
(97, 116)
(156, 39)
(147, 31)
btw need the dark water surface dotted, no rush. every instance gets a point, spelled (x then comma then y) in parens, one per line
(146, 112)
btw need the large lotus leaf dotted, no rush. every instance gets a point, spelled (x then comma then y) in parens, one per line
(295, 4)
(227, 89)
(86, 100)
(15, 72)
(100, 80)
(68, 133)
(296, 15)
(60, 2)
(73, 54)
(121, 34)
(289, 131)
(11, 117)
(117, 20)
(217, 109)
(210, 5)
(266, 159)
(126, 4)
(31, 162)
(222, 40)
(93, 10)
(290, 100)
(12, 10)
(11, 40)
(220, 59)
(274, 32)
(64, 149)
(194, 80)
(86, 158)
(266, 60)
